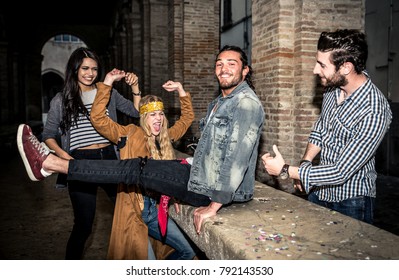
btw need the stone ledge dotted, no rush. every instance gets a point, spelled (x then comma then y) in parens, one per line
(277, 225)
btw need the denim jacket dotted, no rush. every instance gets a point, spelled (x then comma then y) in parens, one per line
(54, 116)
(225, 158)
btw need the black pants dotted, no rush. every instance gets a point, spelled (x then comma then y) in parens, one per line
(168, 177)
(83, 197)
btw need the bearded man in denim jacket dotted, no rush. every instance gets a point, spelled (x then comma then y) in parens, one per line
(225, 159)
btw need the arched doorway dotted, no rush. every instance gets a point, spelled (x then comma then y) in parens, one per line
(51, 84)
(56, 52)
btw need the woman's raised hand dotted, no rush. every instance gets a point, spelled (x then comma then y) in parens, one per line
(174, 86)
(114, 75)
(131, 79)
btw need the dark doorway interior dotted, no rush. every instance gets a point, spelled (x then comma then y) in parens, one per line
(51, 84)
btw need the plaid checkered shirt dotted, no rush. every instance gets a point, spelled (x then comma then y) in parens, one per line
(348, 135)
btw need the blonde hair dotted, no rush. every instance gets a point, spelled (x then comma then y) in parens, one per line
(166, 150)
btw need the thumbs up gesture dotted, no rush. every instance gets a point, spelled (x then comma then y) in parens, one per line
(273, 165)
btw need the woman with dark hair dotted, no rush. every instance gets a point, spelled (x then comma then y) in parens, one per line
(69, 117)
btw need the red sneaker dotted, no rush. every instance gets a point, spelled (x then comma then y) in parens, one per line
(32, 152)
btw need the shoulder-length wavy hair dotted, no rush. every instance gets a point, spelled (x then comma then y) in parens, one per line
(161, 147)
(244, 60)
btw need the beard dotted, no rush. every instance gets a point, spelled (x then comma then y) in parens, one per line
(336, 80)
(228, 85)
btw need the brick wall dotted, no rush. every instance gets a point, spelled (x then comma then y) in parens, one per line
(177, 39)
(195, 31)
(284, 40)
(171, 39)
(158, 43)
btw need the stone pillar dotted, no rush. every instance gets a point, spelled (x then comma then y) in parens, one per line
(4, 86)
(30, 76)
(195, 29)
(284, 42)
(20, 87)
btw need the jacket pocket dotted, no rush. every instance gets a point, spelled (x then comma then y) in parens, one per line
(221, 130)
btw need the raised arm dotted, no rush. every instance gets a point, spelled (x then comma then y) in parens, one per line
(98, 116)
(133, 81)
(187, 113)
(174, 86)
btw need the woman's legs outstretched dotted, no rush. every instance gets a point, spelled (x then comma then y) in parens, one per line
(168, 177)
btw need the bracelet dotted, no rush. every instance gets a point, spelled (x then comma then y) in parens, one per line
(304, 161)
(137, 94)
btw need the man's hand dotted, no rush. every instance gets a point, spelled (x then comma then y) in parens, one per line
(273, 165)
(201, 213)
(177, 207)
(298, 185)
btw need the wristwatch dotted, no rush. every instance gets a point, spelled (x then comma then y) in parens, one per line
(284, 172)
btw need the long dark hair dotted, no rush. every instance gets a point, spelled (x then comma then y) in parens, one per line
(346, 45)
(71, 100)
(244, 60)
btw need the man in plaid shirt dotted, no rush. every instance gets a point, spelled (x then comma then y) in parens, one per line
(354, 118)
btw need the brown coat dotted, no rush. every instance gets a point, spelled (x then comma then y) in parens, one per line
(129, 235)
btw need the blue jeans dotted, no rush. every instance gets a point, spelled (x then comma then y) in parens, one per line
(83, 197)
(174, 237)
(360, 208)
(168, 177)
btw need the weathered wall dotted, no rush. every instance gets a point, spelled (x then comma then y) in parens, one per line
(177, 39)
(285, 34)
(195, 29)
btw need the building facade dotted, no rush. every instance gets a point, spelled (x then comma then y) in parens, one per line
(177, 39)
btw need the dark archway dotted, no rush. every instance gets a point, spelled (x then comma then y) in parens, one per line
(20, 50)
(51, 84)
(55, 54)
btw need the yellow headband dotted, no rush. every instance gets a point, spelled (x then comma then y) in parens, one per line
(151, 107)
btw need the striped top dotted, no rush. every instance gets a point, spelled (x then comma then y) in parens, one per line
(83, 134)
(348, 135)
